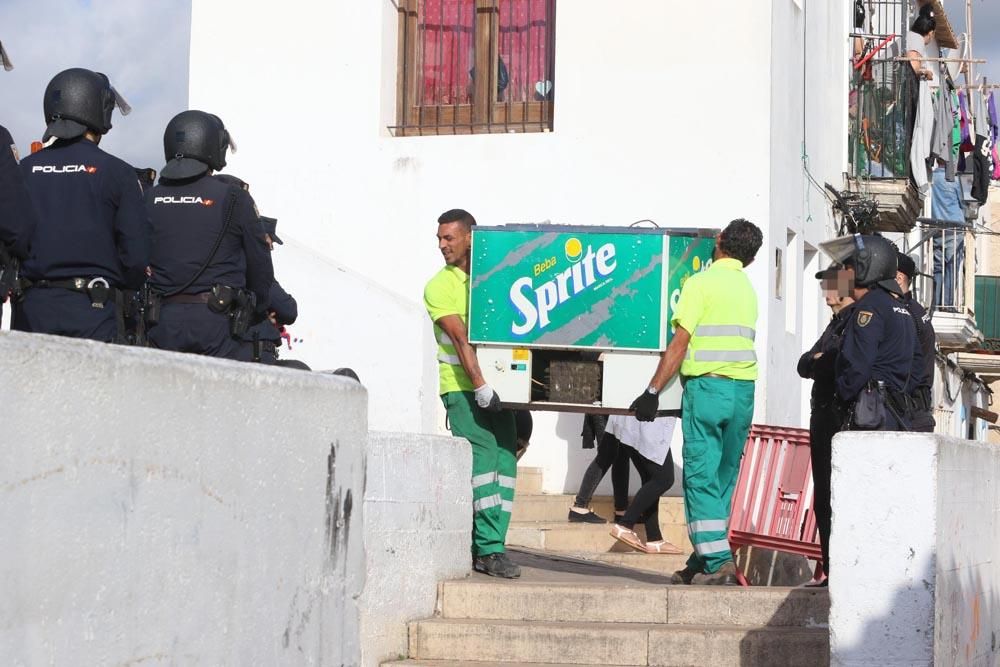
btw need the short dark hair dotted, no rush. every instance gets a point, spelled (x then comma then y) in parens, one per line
(457, 215)
(924, 25)
(741, 239)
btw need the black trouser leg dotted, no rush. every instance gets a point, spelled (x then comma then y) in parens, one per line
(656, 480)
(619, 479)
(823, 425)
(607, 452)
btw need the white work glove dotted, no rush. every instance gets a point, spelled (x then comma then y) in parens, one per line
(487, 399)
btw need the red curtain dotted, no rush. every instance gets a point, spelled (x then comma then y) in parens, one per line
(524, 48)
(447, 44)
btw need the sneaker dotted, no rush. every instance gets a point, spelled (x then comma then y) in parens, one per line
(684, 577)
(724, 576)
(496, 565)
(585, 517)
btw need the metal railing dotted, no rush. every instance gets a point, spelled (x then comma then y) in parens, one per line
(946, 271)
(882, 108)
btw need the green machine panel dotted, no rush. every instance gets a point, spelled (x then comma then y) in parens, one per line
(604, 288)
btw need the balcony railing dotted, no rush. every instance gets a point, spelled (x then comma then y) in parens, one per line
(946, 284)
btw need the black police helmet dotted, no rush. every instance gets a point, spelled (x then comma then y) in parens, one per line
(193, 143)
(77, 100)
(875, 263)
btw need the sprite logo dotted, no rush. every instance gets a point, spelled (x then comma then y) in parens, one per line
(533, 305)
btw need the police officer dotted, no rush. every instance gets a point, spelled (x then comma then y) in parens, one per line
(17, 217)
(923, 405)
(283, 309)
(826, 418)
(92, 236)
(210, 272)
(879, 364)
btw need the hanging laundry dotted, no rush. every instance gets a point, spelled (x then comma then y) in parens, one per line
(991, 106)
(920, 146)
(967, 144)
(981, 168)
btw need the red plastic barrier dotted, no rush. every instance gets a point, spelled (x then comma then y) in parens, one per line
(772, 501)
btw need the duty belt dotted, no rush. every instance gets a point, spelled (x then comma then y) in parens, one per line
(189, 298)
(97, 288)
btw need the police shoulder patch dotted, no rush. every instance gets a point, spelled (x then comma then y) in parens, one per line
(864, 317)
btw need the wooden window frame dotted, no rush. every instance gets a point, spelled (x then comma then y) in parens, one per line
(485, 115)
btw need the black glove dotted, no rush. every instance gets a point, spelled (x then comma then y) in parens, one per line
(645, 406)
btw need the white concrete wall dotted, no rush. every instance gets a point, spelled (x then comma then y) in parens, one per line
(650, 122)
(177, 509)
(914, 575)
(345, 319)
(418, 518)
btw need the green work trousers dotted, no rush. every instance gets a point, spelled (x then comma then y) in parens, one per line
(494, 467)
(715, 418)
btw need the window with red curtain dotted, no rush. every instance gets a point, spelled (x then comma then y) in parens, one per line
(443, 45)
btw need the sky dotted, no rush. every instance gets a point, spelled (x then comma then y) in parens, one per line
(142, 45)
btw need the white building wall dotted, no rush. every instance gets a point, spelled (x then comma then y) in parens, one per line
(661, 112)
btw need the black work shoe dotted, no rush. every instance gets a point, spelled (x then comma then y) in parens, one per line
(684, 577)
(513, 569)
(724, 576)
(496, 565)
(589, 517)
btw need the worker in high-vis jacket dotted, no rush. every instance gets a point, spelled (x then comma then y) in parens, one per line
(474, 410)
(713, 349)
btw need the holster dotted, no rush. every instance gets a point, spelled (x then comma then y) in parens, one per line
(151, 304)
(241, 311)
(869, 410)
(10, 267)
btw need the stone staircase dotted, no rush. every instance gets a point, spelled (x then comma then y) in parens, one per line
(539, 523)
(584, 600)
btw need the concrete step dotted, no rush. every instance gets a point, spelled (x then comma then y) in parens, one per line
(659, 563)
(463, 663)
(529, 481)
(555, 507)
(616, 643)
(583, 537)
(487, 599)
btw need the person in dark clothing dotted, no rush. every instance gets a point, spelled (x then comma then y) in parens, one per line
(609, 456)
(92, 238)
(879, 356)
(211, 270)
(283, 309)
(923, 403)
(17, 221)
(825, 417)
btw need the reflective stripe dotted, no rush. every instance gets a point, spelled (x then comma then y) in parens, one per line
(486, 503)
(506, 482)
(707, 525)
(725, 355)
(449, 359)
(444, 339)
(484, 479)
(725, 330)
(507, 506)
(707, 548)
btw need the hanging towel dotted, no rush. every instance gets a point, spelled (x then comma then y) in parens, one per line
(991, 106)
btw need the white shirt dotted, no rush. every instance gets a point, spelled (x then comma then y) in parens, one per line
(650, 439)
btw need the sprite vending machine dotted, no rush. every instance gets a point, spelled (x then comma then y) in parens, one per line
(574, 318)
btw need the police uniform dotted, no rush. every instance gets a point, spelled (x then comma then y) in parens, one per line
(17, 222)
(922, 418)
(880, 345)
(266, 336)
(92, 231)
(188, 217)
(826, 417)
